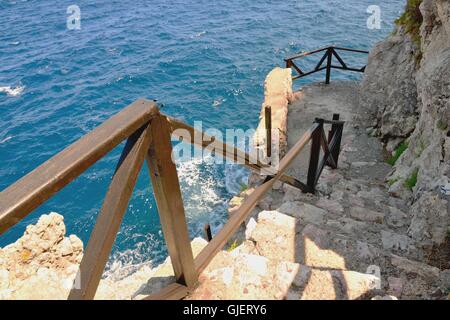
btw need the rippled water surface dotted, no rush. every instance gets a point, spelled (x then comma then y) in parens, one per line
(203, 60)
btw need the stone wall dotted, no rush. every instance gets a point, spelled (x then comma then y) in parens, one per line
(408, 89)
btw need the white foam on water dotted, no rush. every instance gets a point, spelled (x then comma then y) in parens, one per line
(206, 187)
(217, 102)
(13, 92)
(198, 35)
(236, 178)
(6, 139)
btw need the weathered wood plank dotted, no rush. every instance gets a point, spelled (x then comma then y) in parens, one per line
(111, 214)
(235, 155)
(18, 200)
(166, 187)
(174, 291)
(238, 155)
(238, 217)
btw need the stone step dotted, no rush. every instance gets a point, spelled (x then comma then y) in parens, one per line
(280, 237)
(318, 284)
(248, 276)
(386, 230)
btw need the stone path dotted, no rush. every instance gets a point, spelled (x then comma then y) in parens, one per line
(348, 241)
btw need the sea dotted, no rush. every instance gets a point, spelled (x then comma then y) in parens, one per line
(67, 66)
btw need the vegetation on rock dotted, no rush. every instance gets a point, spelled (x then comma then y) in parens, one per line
(411, 182)
(412, 19)
(233, 246)
(441, 125)
(391, 182)
(398, 152)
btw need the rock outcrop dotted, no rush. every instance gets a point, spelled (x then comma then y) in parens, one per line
(277, 95)
(408, 85)
(42, 264)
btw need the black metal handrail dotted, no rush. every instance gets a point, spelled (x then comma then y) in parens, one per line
(330, 145)
(329, 53)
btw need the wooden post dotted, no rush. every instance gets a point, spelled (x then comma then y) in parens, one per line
(288, 64)
(268, 122)
(166, 187)
(329, 60)
(110, 216)
(314, 156)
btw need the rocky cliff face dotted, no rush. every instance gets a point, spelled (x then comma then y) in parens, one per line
(407, 87)
(42, 264)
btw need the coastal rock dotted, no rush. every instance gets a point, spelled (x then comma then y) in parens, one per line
(277, 95)
(430, 220)
(42, 264)
(409, 89)
(391, 65)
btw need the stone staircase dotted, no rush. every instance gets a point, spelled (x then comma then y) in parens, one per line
(348, 241)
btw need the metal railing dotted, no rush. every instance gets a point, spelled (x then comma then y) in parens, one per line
(148, 134)
(330, 52)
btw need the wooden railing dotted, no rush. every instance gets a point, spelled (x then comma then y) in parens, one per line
(148, 134)
(330, 52)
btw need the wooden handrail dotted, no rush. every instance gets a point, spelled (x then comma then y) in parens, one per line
(235, 155)
(238, 217)
(148, 138)
(111, 214)
(18, 200)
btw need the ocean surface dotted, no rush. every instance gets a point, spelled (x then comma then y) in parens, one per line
(202, 60)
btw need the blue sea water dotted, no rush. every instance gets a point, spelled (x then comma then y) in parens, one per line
(203, 60)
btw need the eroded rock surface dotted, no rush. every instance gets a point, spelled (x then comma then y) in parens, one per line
(408, 85)
(42, 264)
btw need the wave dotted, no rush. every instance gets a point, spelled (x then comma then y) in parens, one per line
(206, 187)
(12, 92)
(6, 139)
